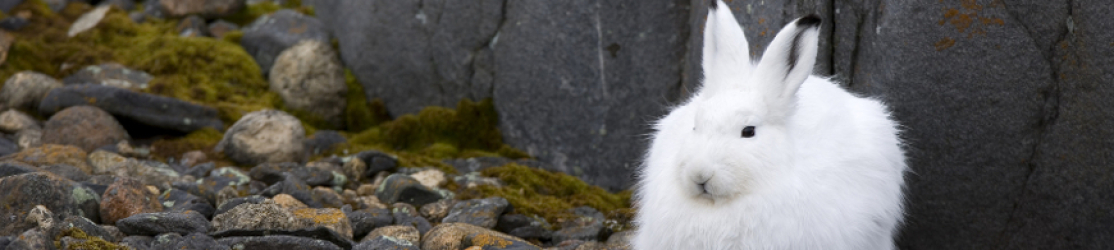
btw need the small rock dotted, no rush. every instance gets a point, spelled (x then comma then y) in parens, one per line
(85, 127)
(203, 8)
(112, 231)
(220, 27)
(7, 147)
(233, 203)
(403, 188)
(366, 189)
(85, 225)
(438, 210)
(192, 26)
(164, 222)
(331, 218)
(192, 158)
(110, 74)
(328, 197)
(12, 121)
(354, 169)
(480, 212)
(264, 136)
(406, 215)
(277, 242)
(21, 193)
(369, 202)
(271, 173)
(25, 89)
(34, 239)
(463, 235)
(620, 240)
(88, 20)
(175, 200)
(125, 5)
(192, 241)
(532, 233)
(385, 242)
(147, 109)
(200, 170)
(324, 140)
(127, 197)
(270, 35)
(474, 179)
(296, 188)
(406, 233)
(9, 168)
(14, 23)
(377, 162)
(431, 178)
(309, 77)
(366, 220)
(586, 227)
(510, 222)
(41, 217)
(54, 154)
(29, 138)
(288, 202)
(477, 164)
(138, 242)
(266, 216)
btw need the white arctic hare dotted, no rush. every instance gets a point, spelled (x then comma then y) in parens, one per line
(768, 157)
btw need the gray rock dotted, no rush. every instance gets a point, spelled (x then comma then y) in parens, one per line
(34, 239)
(137, 242)
(480, 212)
(192, 241)
(366, 220)
(64, 170)
(14, 23)
(210, 187)
(403, 188)
(10, 168)
(318, 233)
(233, 203)
(265, 216)
(386, 242)
(219, 28)
(174, 200)
(7, 5)
(12, 121)
(192, 26)
(20, 193)
(277, 242)
(126, 5)
(407, 233)
(270, 35)
(156, 111)
(7, 147)
(29, 138)
(324, 140)
(200, 170)
(296, 188)
(264, 136)
(126, 197)
(586, 227)
(462, 235)
(25, 89)
(164, 222)
(309, 77)
(377, 162)
(271, 173)
(110, 74)
(203, 8)
(85, 127)
(85, 225)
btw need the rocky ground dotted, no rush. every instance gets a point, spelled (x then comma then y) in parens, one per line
(163, 124)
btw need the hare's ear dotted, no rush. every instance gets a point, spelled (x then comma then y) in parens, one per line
(789, 59)
(726, 57)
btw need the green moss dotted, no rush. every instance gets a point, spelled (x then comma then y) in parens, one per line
(361, 114)
(547, 194)
(90, 243)
(233, 36)
(471, 126)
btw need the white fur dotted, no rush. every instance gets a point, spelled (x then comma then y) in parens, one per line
(823, 171)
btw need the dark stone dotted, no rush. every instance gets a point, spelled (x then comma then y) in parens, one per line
(193, 26)
(272, 173)
(127, 197)
(164, 222)
(152, 110)
(193, 241)
(219, 28)
(7, 147)
(20, 193)
(14, 23)
(316, 233)
(377, 162)
(269, 35)
(34, 239)
(532, 233)
(137, 242)
(232, 203)
(277, 242)
(480, 212)
(5, 241)
(324, 140)
(366, 220)
(411, 219)
(403, 188)
(110, 74)
(84, 127)
(65, 170)
(586, 227)
(511, 221)
(328, 197)
(483, 239)
(126, 5)
(294, 187)
(175, 200)
(219, 179)
(7, 5)
(85, 225)
(384, 242)
(200, 170)
(9, 168)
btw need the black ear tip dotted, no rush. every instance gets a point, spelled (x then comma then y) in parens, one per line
(809, 21)
(715, 4)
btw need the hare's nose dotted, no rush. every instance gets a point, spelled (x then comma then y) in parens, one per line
(703, 187)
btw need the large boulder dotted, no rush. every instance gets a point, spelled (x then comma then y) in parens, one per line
(266, 37)
(148, 109)
(21, 193)
(309, 77)
(264, 136)
(85, 127)
(597, 70)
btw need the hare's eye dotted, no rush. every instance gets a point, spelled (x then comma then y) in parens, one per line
(748, 132)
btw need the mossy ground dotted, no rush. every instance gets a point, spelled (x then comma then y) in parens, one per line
(90, 243)
(219, 73)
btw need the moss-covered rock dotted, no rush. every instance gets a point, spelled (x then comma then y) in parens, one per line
(547, 194)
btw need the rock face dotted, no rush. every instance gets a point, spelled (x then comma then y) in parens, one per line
(597, 83)
(152, 110)
(264, 136)
(85, 127)
(270, 35)
(25, 90)
(309, 78)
